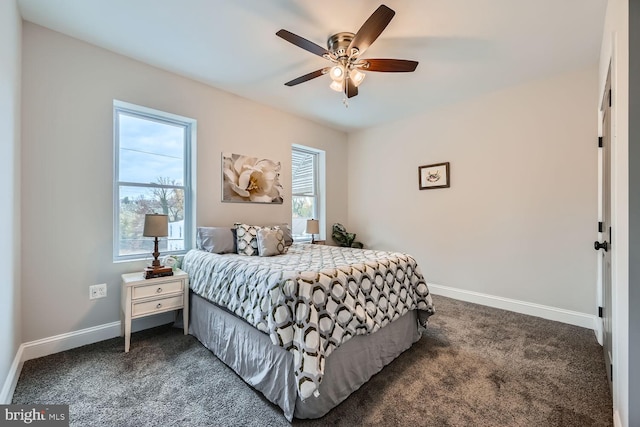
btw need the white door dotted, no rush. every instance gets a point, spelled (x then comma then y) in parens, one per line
(605, 246)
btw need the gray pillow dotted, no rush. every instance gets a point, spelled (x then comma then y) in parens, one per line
(286, 229)
(218, 240)
(288, 237)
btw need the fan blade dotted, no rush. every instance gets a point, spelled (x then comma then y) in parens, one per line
(303, 43)
(308, 77)
(389, 65)
(371, 29)
(350, 89)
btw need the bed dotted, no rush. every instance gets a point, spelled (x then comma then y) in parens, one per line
(308, 327)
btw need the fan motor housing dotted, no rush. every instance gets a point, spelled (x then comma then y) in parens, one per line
(339, 43)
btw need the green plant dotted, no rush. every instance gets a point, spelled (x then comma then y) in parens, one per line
(343, 238)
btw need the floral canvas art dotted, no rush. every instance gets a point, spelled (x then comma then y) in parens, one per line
(250, 179)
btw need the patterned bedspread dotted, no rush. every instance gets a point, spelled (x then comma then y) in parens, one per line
(313, 298)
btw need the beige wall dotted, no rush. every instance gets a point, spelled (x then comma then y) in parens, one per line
(10, 335)
(519, 219)
(69, 88)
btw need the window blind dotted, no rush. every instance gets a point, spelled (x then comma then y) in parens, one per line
(302, 175)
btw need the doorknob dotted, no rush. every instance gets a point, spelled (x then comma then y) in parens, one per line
(604, 245)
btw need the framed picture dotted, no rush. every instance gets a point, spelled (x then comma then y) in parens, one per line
(433, 176)
(247, 179)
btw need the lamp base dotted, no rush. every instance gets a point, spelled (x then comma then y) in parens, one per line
(152, 273)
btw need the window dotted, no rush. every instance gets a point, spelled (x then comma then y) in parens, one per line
(305, 197)
(152, 175)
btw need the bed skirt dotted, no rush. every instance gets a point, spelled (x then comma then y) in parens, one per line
(269, 368)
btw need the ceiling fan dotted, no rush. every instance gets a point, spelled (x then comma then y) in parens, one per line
(344, 50)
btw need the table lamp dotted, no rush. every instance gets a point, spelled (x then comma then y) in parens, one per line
(313, 228)
(156, 225)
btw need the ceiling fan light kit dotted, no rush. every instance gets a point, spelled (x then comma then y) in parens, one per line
(344, 50)
(343, 71)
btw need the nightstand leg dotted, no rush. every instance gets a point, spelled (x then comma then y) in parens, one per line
(121, 323)
(185, 313)
(127, 334)
(185, 320)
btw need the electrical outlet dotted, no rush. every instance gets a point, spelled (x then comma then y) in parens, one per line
(98, 291)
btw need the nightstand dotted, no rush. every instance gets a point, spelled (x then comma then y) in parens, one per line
(144, 297)
(320, 242)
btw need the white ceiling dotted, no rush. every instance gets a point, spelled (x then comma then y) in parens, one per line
(465, 47)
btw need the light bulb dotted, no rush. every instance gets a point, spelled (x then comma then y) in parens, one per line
(337, 73)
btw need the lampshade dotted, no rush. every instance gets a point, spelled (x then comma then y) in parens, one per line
(337, 86)
(313, 226)
(337, 73)
(356, 76)
(156, 225)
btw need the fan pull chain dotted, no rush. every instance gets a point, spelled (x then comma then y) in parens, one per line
(345, 99)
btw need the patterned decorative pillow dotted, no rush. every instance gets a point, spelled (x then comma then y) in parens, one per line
(247, 239)
(271, 241)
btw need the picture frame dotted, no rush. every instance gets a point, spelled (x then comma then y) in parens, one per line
(247, 179)
(433, 176)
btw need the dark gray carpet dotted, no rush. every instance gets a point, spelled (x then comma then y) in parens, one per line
(476, 366)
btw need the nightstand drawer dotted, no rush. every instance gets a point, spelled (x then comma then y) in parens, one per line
(157, 289)
(157, 305)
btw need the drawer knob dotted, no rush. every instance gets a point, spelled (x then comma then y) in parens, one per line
(159, 290)
(159, 305)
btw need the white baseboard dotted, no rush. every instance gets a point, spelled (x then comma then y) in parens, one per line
(6, 394)
(62, 342)
(616, 419)
(46, 346)
(599, 330)
(546, 312)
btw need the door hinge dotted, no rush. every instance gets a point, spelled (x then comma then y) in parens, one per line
(599, 311)
(600, 142)
(611, 373)
(609, 97)
(600, 227)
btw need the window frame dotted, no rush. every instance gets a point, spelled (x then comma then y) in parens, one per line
(317, 192)
(188, 187)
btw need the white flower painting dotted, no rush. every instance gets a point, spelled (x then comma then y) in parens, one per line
(249, 179)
